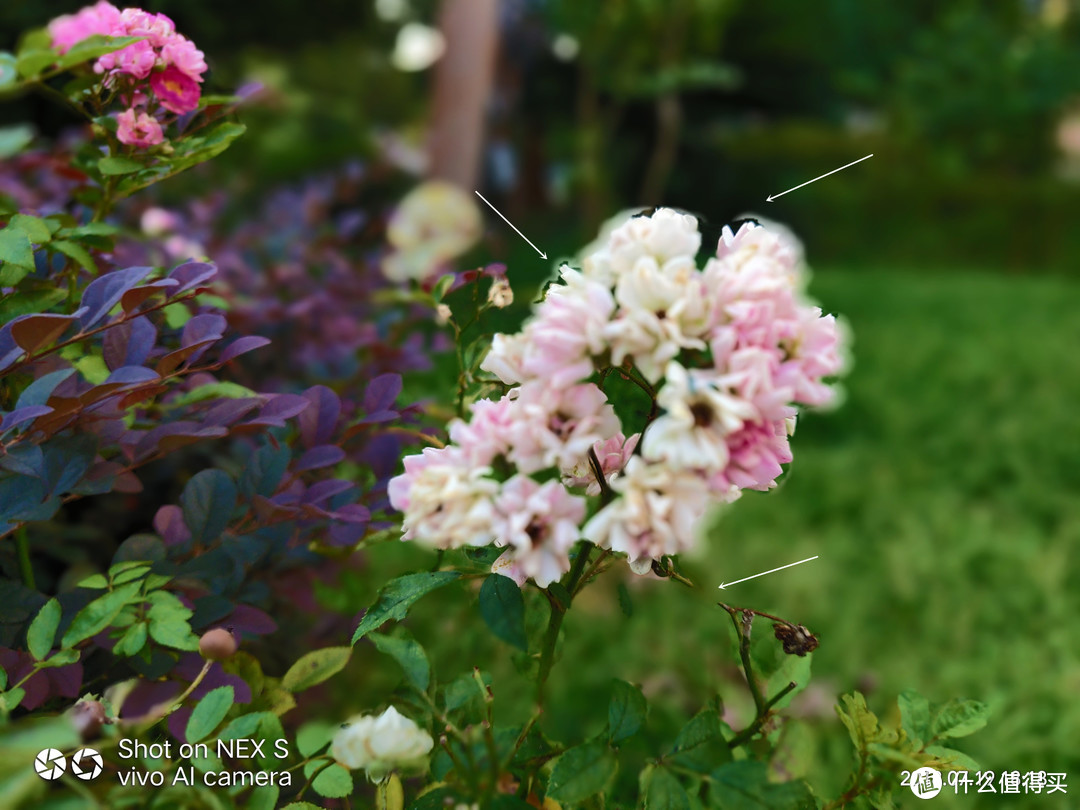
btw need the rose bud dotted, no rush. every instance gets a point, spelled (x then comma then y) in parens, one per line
(217, 644)
(88, 716)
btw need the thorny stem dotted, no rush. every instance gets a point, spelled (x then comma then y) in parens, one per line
(558, 612)
(742, 619)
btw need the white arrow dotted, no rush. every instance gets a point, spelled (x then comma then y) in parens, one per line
(511, 224)
(763, 573)
(772, 197)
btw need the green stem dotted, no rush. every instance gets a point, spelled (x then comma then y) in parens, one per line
(558, 612)
(22, 548)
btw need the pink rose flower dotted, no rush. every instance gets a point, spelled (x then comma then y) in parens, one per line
(137, 128)
(181, 53)
(176, 90)
(102, 18)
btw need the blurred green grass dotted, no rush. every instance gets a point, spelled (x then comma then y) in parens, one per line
(941, 497)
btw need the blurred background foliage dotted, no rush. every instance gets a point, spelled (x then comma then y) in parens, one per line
(942, 495)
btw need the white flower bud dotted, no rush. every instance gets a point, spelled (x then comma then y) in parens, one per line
(500, 295)
(379, 745)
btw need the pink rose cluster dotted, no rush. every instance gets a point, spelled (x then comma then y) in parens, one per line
(162, 71)
(728, 351)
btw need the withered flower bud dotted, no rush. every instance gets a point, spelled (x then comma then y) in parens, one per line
(797, 640)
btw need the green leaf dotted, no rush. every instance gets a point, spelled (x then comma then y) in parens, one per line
(409, 654)
(90, 229)
(91, 48)
(953, 759)
(503, 609)
(263, 797)
(95, 581)
(316, 667)
(301, 806)
(31, 63)
(208, 713)
(313, 737)
(224, 389)
(35, 229)
(701, 745)
(914, 716)
(581, 772)
(626, 712)
(97, 615)
(389, 794)
(334, 783)
(30, 301)
(208, 501)
(242, 727)
(745, 785)
(662, 790)
(8, 76)
(133, 640)
(42, 631)
(793, 669)
(170, 629)
(959, 718)
(462, 691)
(61, 658)
(118, 165)
(398, 595)
(17, 255)
(77, 252)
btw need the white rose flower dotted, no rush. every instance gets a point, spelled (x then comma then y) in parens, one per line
(381, 744)
(698, 416)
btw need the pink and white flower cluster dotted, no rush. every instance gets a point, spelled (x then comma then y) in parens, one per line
(163, 71)
(727, 351)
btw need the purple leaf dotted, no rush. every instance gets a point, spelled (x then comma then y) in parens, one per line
(191, 274)
(352, 513)
(346, 534)
(105, 292)
(32, 332)
(278, 409)
(243, 346)
(173, 435)
(324, 455)
(169, 523)
(39, 391)
(130, 343)
(128, 375)
(209, 326)
(133, 298)
(381, 392)
(20, 415)
(323, 491)
(317, 423)
(228, 411)
(247, 619)
(379, 416)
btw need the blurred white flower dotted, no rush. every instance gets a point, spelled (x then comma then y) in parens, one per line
(565, 47)
(500, 295)
(158, 221)
(391, 10)
(418, 47)
(381, 744)
(434, 223)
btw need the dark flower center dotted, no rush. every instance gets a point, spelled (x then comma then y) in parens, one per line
(702, 413)
(537, 533)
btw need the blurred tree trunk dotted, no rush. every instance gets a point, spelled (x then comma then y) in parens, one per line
(668, 134)
(463, 81)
